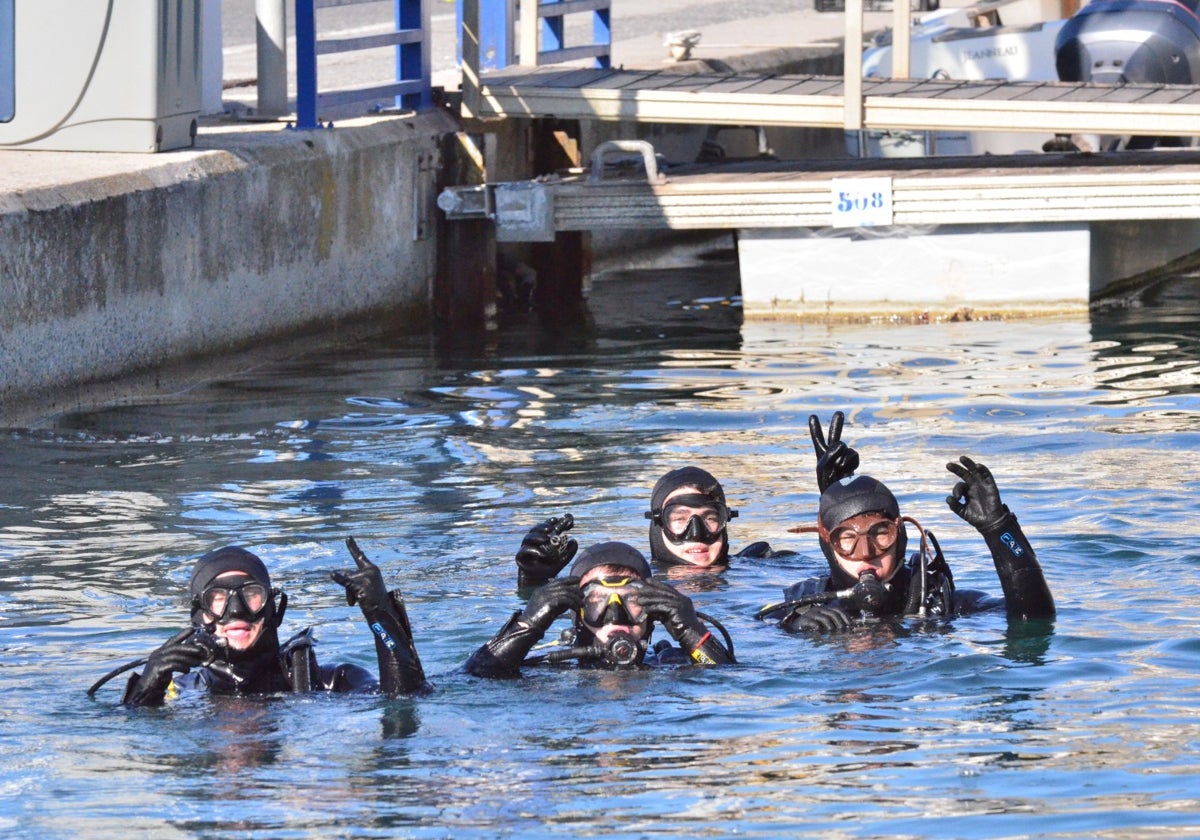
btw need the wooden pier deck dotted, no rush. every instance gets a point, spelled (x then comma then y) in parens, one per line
(664, 96)
(1092, 218)
(1018, 189)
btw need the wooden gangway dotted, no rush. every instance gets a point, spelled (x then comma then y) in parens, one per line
(663, 96)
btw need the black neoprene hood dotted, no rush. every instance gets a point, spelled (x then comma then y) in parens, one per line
(231, 558)
(610, 554)
(853, 496)
(706, 484)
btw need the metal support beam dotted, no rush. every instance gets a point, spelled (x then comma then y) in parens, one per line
(901, 39)
(471, 60)
(852, 92)
(527, 50)
(271, 39)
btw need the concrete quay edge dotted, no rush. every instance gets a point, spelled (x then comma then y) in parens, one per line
(117, 267)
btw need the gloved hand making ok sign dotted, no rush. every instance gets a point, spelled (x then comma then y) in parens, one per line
(835, 460)
(545, 551)
(976, 498)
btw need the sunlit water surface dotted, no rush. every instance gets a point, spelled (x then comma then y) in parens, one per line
(438, 461)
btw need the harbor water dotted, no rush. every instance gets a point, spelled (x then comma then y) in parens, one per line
(438, 458)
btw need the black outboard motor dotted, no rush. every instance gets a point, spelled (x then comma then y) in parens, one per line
(1132, 42)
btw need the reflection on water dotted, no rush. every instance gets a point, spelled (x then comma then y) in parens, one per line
(439, 458)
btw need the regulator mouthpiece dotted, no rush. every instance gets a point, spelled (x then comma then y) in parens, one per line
(869, 593)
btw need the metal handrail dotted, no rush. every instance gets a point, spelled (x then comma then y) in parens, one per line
(7, 62)
(411, 89)
(500, 35)
(545, 18)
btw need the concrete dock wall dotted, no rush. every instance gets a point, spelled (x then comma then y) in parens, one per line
(115, 264)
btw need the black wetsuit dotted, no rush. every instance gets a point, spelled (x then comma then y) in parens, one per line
(761, 550)
(504, 654)
(293, 667)
(1026, 593)
(271, 668)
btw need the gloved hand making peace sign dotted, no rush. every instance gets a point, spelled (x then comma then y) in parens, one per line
(835, 460)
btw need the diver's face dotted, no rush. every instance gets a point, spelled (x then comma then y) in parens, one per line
(692, 552)
(604, 589)
(866, 543)
(238, 632)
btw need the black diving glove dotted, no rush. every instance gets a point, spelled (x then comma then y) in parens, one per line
(826, 618)
(835, 460)
(545, 551)
(550, 601)
(364, 585)
(674, 611)
(976, 498)
(503, 655)
(185, 651)
(400, 670)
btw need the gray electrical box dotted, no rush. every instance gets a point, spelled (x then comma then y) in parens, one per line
(101, 76)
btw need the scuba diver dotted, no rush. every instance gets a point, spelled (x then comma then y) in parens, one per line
(615, 604)
(689, 519)
(863, 537)
(233, 647)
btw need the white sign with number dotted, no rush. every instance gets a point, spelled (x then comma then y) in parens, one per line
(861, 202)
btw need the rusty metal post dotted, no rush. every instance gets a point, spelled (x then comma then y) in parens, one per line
(464, 293)
(561, 265)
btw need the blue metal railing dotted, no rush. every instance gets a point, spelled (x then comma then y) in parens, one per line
(8, 76)
(411, 89)
(553, 48)
(498, 36)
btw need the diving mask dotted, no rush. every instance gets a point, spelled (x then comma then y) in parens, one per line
(692, 518)
(880, 537)
(244, 602)
(612, 601)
